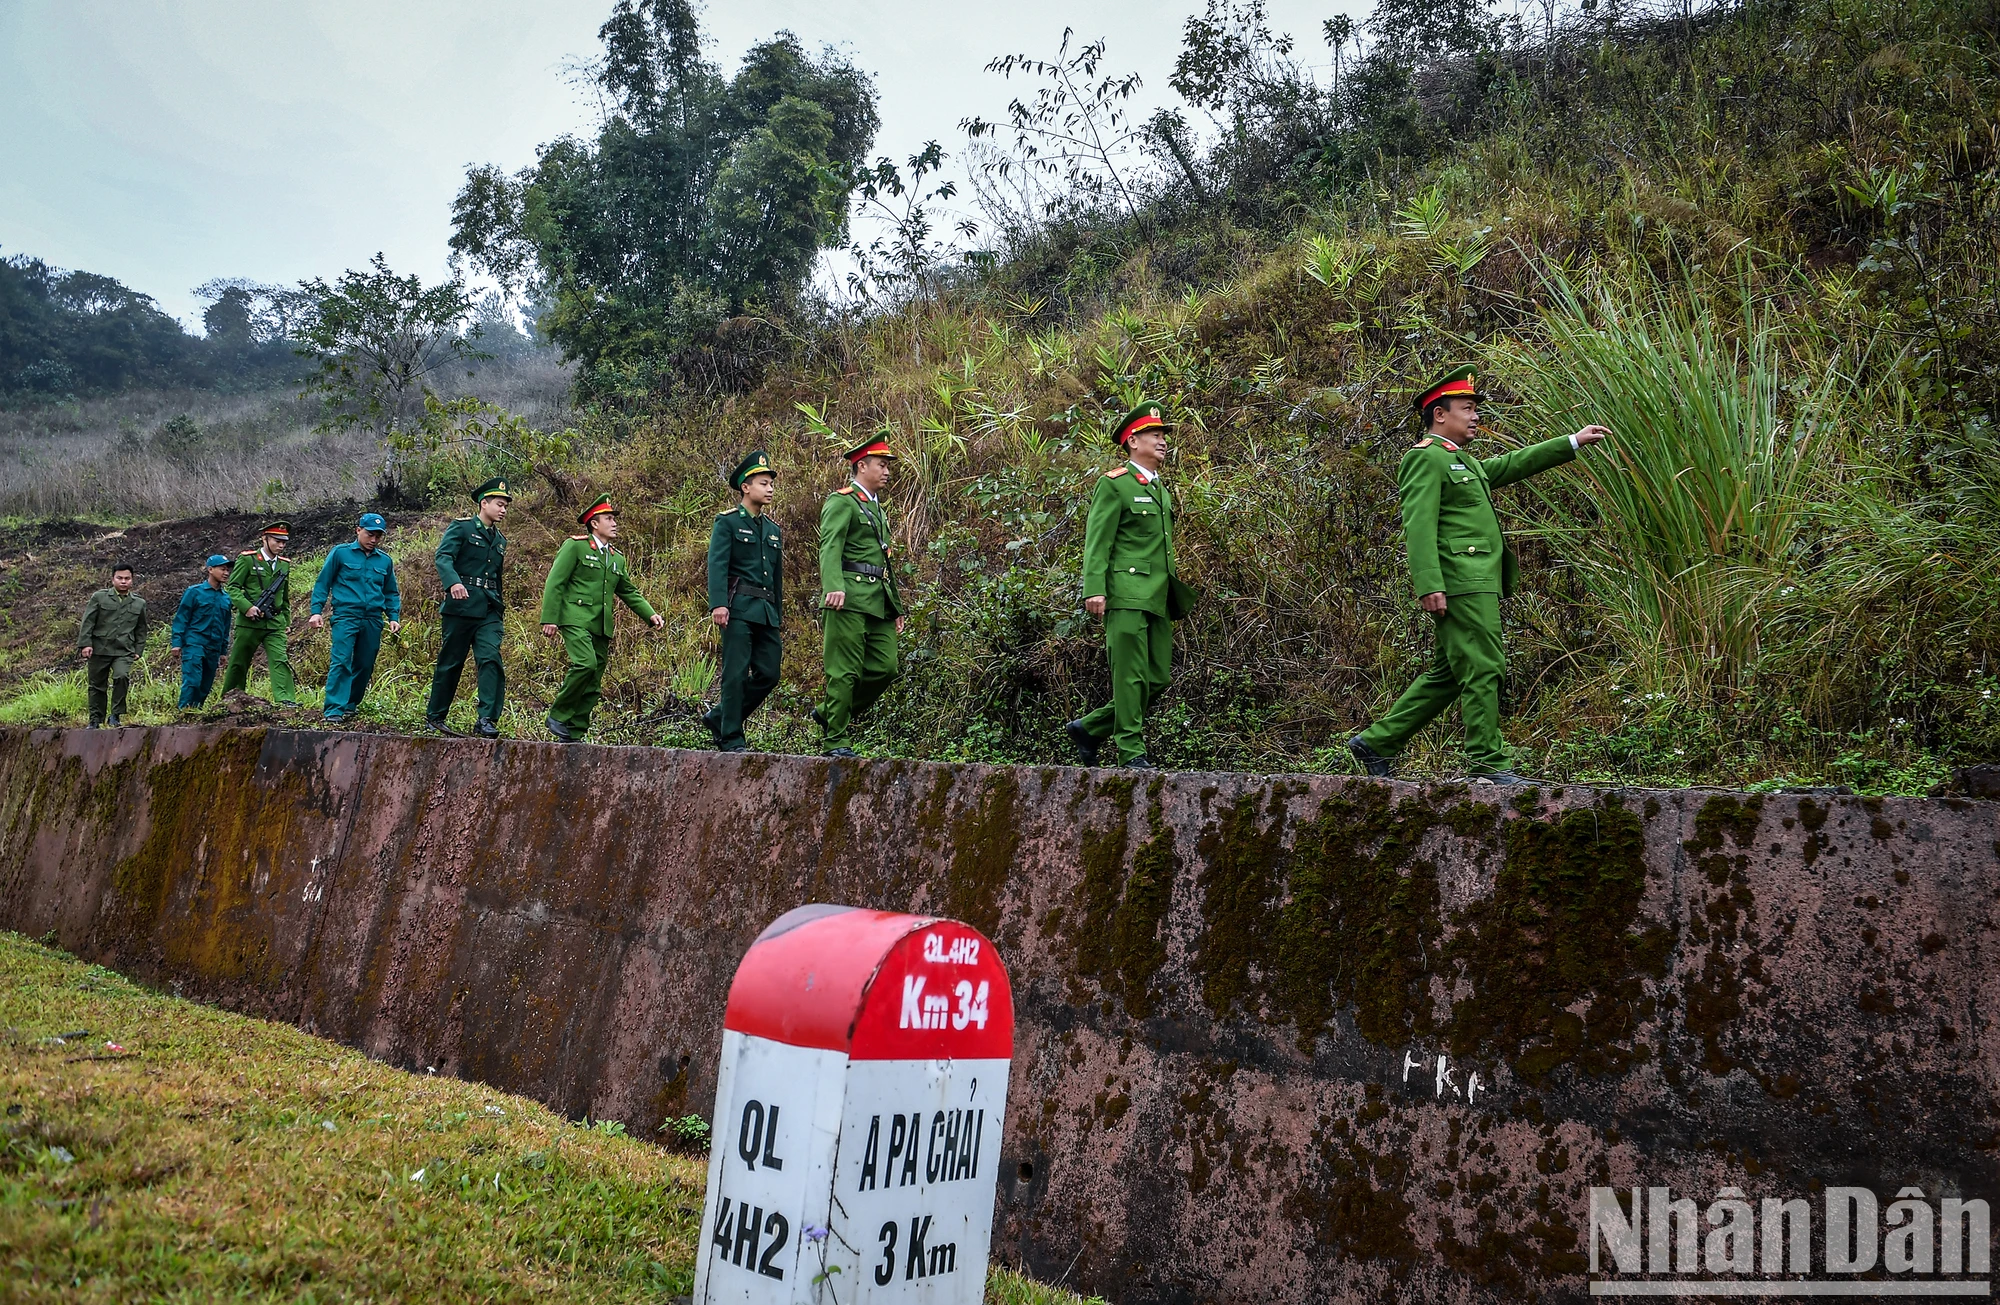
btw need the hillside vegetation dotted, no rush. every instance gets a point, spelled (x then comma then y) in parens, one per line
(152, 1149)
(1757, 240)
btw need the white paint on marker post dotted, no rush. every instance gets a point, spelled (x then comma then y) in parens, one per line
(860, 1104)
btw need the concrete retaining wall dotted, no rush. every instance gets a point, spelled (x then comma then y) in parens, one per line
(1281, 1038)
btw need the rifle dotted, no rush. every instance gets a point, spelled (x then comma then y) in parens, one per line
(263, 603)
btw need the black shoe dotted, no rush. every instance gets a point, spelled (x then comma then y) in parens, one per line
(818, 719)
(842, 752)
(486, 729)
(735, 747)
(95, 725)
(713, 724)
(560, 730)
(1085, 743)
(439, 727)
(1503, 778)
(111, 724)
(1371, 761)
(1140, 762)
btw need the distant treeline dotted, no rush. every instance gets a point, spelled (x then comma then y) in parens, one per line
(71, 334)
(65, 333)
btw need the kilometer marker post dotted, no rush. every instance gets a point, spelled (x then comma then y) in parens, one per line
(859, 1108)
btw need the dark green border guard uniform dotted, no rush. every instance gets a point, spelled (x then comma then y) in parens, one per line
(1128, 560)
(860, 638)
(580, 597)
(114, 629)
(472, 554)
(1456, 549)
(251, 576)
(746, 574)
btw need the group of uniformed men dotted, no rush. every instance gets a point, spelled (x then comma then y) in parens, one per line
(1460, 567)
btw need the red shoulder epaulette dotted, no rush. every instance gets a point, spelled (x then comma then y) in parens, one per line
(1424, 443)
(845, 489)
(1114, 473)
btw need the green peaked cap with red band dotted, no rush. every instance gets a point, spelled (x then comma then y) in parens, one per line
(597, 509)
(875, 446)
(1458, 383)
(1147, 416)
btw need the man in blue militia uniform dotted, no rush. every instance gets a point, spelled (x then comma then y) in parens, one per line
(469, 561)
(360, 580)
(746, 579)
(200, 637)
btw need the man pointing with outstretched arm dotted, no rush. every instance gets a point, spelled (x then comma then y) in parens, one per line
(1461, 567)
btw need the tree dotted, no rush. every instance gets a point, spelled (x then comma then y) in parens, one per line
(241, 309)
(701, 196)
(64, 332)
(907, 256)
(376, 340)
(1076, 128)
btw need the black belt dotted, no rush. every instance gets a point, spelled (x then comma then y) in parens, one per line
(743, 588)
(494, 585)
(863, 568)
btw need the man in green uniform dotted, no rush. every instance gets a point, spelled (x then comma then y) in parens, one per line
(578, 608)
(1461, 567)
(746, 586)
(260, 589)
(112, 633)
(863, 608)
(1129, 580)
(469, 560)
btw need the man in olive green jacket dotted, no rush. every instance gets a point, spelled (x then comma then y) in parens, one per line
(112, 633)
(470, 559)
(578, 608)
(1461, 567)
(1128, 575)
(863, 608)
(746, 600)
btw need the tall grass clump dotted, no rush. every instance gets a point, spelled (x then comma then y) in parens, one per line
(1723, 428)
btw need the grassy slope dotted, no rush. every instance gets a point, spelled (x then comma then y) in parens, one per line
(155, 1149)
(1287, 361)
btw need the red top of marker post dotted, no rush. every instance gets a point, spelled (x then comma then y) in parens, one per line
(876, 985)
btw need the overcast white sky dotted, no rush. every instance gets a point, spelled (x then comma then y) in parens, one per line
(165, 142)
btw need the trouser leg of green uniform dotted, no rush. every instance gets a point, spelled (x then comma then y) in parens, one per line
(350, 661)
(480, 637)
(750, 657)
(243, 646)
(107, 673)
(1140, 646)
(1467, 666)
(587, 652)
(861, 663)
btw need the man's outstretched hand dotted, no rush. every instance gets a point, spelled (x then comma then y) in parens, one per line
(1591, 435)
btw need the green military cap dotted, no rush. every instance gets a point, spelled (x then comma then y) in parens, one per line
(1458, 383)
(1147, 416)
(494, 488)
(875, 446)
(757, 463)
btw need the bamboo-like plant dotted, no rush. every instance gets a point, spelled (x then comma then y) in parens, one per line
(1706, 484)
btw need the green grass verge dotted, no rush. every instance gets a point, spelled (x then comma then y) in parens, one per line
(154, 1149)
